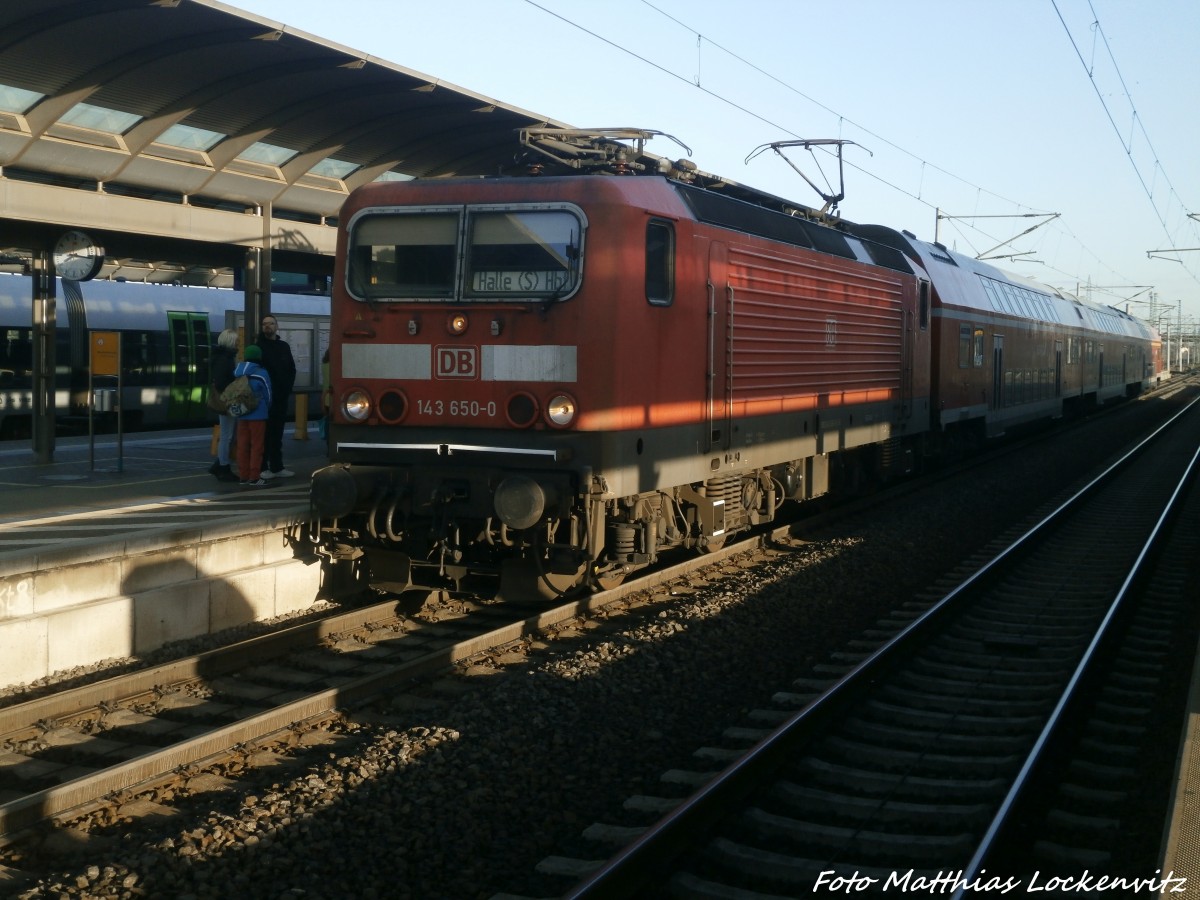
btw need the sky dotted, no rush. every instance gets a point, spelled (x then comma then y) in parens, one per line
(971, 120)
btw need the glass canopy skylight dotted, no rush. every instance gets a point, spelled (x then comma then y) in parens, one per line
(333, 168)
(17, 100)
(99, 118)
(267, 154)
(189, 137)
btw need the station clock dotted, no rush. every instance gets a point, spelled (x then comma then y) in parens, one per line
(77, 257)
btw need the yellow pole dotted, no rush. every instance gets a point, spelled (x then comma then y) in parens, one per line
(301, 417)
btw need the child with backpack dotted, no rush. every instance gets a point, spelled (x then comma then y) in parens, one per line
(252, 426)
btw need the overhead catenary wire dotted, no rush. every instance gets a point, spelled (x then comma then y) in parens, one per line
(1127, 146)
(696, 83)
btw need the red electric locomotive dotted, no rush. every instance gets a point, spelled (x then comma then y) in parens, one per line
(551, 379)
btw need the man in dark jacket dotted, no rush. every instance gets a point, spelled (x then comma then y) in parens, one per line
(277, 360)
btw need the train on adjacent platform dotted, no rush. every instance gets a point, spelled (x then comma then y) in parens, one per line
(551, 379)
(166, 333)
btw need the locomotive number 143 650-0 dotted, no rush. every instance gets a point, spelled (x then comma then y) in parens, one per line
(463, 409)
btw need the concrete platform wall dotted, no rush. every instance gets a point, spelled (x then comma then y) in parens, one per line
(77, 605)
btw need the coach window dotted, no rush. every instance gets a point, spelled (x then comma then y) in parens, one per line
(978, 347)
(16, 357)
(964, 346)
(660, 263)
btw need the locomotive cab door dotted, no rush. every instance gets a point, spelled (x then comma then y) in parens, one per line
(718, 393)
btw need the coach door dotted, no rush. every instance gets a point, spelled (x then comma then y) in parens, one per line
(719, 373)
(1058, 348)
(998, 397)
(188, 376)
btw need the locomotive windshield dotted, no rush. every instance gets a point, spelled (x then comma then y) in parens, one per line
(409, 255)
(510, 253)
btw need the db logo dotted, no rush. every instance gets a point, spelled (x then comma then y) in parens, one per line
(456, 362)
(831, 330)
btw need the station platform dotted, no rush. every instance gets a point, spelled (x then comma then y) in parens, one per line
(1181, 836)
(117, 548)
(92, 474)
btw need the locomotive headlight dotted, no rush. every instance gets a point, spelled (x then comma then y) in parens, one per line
(561, 410)
(356, 405)
(456, 324)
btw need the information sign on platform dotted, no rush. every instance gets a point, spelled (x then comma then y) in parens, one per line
(106, 362)
(106, 355)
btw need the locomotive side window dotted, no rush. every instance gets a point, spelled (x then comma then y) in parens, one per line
(408, 255)
(964, 346)
(660, 263)
(526, 253)
(924, 305)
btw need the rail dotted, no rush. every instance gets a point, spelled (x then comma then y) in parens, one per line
(663, 848)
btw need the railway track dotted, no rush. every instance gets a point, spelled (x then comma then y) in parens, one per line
(1020, 696)
(74, 751)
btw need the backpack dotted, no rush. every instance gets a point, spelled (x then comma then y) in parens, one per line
(214, 402)
(239, 398)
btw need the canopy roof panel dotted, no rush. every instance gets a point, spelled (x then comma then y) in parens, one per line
(196, 101)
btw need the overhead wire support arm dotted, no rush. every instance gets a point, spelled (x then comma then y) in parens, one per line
(831, 200)
(1047, 217)
(1021, 255)
(1151, 254)
(1152, 302)
(1128, 287)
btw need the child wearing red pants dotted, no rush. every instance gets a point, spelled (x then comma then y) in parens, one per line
(252, 426)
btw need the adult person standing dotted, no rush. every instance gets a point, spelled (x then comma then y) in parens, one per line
(224, 359)
(277, 360)
(252, 427)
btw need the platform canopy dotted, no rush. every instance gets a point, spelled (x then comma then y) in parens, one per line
(163, 123)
